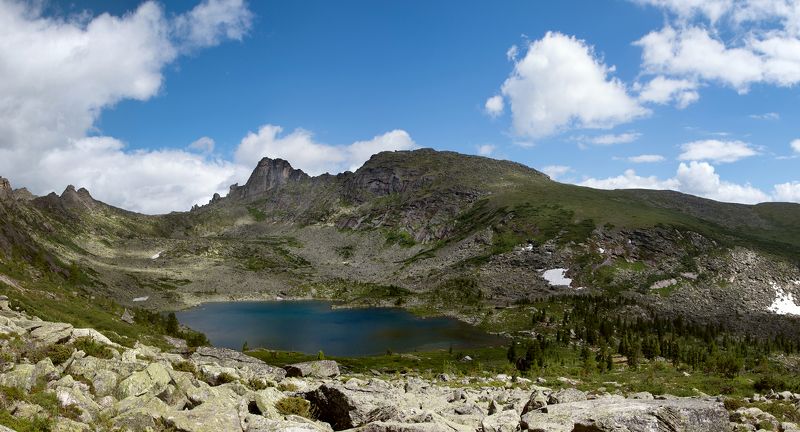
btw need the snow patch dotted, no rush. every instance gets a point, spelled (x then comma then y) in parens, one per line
(557, 277)
(601, 250)
(156, 256)
(784, 303)
(141, 299)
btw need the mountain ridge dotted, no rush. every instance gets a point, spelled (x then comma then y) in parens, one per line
(432, 224)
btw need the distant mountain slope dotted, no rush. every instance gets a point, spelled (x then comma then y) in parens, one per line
(449, 232)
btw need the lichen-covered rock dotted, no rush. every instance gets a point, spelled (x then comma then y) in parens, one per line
(20, 377)
(537, 402)
(47, 333)
(614, 414)
(153, 379)
(140, 413)
(91, 334)
(265, 402)
(315, 369)
(565, 396)
(217, 414)
(504, 421)
(246, 367)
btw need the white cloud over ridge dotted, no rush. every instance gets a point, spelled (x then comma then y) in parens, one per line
(486, 149)
(559, 83)
(58, 74)
(556, 171)
(71, 69)
(716, 151)
(764, 47)
(701, 179)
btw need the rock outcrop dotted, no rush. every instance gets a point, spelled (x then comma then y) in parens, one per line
(612, 414)
(268, 175)
(315, 369)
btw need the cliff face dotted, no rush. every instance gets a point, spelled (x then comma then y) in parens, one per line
(269, 175)
(5, 189)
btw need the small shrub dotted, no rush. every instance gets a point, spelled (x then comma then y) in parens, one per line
(58, 353)
(93, 348)
(257, 384)
(287, 387)
(294, 406)
(733, 404)
(185, 366)
(225, 378)
(320, 355)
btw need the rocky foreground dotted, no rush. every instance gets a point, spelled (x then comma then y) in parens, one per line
(112, 387)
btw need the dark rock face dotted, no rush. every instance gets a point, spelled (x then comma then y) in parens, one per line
(5, 188)
(268, 175)
(334, 406)
(77, 199)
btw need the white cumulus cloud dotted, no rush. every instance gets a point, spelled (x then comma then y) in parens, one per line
(795, 145)
(761, 43)
(695, 178)
(203, 145)
(662, 90)
(609, 139)
(559, 83)
(301, 149)
(494, 106)
(57, 76)
(716, 151)
(646, 158)
(486, 149)
(556, 171)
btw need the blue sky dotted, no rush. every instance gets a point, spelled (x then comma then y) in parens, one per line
(306, 80)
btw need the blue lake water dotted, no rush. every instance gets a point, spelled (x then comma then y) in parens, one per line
(310, 326)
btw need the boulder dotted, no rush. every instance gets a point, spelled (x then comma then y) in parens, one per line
(48, 333)
(314, 369)
(335, 405)
(127, 317)
(20, 377)
(641, 395)
(247, 367)
(537, 402)
(78, 397)
(140, 413)
(91, 334)
(630, 415)
(504, 421)
(220, 413)
(392, 426)
(566, 395)
(153, 379)
(257, 423)
(265, 402)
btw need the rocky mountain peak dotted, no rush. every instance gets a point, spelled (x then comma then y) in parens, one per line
(80, 198)
(5, 188)
(269, 174)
